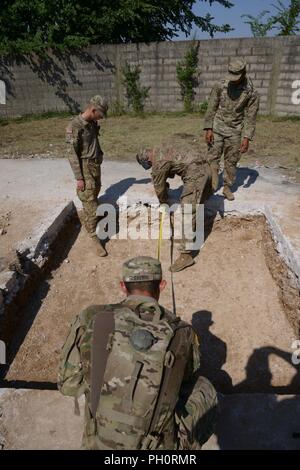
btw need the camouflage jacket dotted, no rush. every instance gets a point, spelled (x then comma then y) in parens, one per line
(181, 149)
(74, 370)
(84, 139)
(232, 109)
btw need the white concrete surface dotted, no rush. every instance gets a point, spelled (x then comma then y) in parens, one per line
(248, 421)
(49, 185)
(41, 419)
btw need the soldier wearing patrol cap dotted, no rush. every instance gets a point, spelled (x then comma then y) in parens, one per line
(85, 157)
(138, 366)
(230, 122)
(179, 155)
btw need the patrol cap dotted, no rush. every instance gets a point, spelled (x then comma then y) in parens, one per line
(236, 69)
(100, 103)
(143, 159)
(142, 268)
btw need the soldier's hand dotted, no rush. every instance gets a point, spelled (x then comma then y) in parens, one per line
(244, 145)
(80, 185)
(209, 137)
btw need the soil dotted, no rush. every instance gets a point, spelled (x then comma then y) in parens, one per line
(232, 298)
(17, 222)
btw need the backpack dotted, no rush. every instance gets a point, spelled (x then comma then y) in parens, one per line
(135, 369)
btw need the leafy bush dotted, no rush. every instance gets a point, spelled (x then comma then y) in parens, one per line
(187, 75)
(116, 108)
(135, 93)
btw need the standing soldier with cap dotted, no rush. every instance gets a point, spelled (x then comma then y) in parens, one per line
(85, 159)
(138, 366)
(230, 123)
(180, 156)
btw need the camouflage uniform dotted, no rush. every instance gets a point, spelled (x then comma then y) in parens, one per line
(118, 421)
(231, 114)
(181, 157)
(85, 159)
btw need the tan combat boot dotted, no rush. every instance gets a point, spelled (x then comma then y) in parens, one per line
(214, 177)
(183, 261)
(101, 251)
(227, 193)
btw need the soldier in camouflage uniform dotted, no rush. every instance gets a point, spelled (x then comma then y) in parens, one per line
(85, 158)
(179, 156)
(230, 123)
(151, 395)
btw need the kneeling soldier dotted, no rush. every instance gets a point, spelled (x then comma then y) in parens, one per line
(137, 365)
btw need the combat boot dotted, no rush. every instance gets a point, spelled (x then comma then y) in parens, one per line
(101, 251)
(227, 193)
(183, 261)
(214, 177)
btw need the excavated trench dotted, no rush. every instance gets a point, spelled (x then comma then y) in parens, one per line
(240, 297)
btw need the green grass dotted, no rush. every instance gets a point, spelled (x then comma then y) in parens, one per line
(34, 117)
(276, 143)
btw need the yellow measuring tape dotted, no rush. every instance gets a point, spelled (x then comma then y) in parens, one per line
(161, 223)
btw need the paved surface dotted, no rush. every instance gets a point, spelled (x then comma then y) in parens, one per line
(34, 419)
(47, 185)
(44, 187)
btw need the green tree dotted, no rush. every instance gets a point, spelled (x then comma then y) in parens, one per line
(259, 28)
(27, 25)
(187, 75)
(287, 20)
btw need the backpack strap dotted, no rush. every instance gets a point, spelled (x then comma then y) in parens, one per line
(171, 381)
(104, 326)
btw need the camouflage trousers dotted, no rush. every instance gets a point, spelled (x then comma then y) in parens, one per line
(91, 171)
(196, 178)
(194, 420)
(196, 190)
(196, 414)
(230, 147)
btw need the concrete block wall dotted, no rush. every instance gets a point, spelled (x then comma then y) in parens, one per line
(61, 82)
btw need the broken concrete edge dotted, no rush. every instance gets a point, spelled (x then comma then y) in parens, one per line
(41, 250)
(12, 282)
(283, 245)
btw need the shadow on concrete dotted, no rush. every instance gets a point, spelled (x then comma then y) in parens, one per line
(116, 190)
(245, 177)
(258, 422)
(265, 421)
(111, 196)
(175, 194)
(259, 376)
(213, 352)
(214, 206)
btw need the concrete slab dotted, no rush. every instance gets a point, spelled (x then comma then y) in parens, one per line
(257, 422)
(40, 419)
(48, 185)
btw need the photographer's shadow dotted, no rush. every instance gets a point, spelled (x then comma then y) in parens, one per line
(268, 421)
